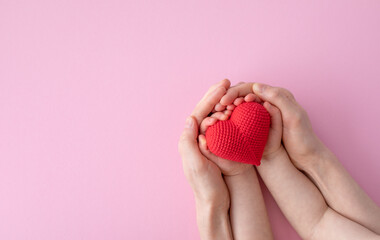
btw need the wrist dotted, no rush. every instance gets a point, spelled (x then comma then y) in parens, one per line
(314, 157)
(210, 211)
(241, 176)
(275, 154)
(213, 222)
(241, 186)
(213, 205)
(318, 162)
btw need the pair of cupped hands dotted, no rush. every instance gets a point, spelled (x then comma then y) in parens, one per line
(290, 130)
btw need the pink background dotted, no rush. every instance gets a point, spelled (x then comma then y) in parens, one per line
(94, 95)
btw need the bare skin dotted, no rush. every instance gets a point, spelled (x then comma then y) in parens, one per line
(248, 215)
(205, 178)
(298, 198)
(310, 155)
(348, 214)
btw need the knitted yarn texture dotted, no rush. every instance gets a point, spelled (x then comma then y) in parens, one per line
(243, 136)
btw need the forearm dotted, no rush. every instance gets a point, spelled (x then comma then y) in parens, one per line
(213, 223)
(297, 197)
(248, 215)
(334, 226)
(341, 191)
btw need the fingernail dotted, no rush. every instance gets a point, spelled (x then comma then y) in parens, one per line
(202, 140)
(189, 122)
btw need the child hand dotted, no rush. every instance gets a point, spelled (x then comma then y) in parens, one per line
(299, 139)
(228, 167)
(273, 145)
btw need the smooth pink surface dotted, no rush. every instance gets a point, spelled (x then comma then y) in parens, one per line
(94, 95)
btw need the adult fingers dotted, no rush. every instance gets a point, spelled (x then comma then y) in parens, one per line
(235, 92)
(205, 106)
(275, 132)
(188, 145)
(220, 107)
(204, 150)
(280, 97)
(238, 84)
(275, 115)
(224, 83)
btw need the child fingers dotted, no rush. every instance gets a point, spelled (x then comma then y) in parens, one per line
(227, 110)
(227, 113)
(238, 101)
(204, 149)
(202, 143)
(275, 114)
(231, 107)
(221, 115)
(257, 99)
(208, 121)
(219, 107)
(235, 92)
(250, 97)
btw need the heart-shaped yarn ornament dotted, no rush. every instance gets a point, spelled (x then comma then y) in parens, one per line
(243, 136)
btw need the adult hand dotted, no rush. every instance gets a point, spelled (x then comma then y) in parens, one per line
(299, 139)
(309, 154)
(210, 191)
(247, 211)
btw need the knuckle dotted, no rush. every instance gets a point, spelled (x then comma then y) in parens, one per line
(282, 93)
(286, 93)
(299, 116)
(276, 92)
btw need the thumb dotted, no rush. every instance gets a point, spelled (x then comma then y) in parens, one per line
(279, 97)
(188, 145)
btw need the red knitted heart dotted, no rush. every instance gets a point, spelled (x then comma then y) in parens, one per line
(241, 138)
